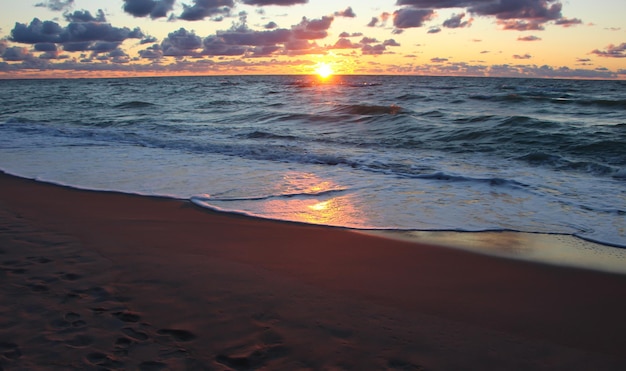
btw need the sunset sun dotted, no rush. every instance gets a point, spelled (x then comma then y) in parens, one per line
(324, 70)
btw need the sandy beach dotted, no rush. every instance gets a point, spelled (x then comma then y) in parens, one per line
(99, 280)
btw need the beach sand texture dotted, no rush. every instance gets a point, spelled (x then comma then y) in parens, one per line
(97, 280)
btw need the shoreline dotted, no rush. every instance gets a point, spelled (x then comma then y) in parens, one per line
(545, 248)
(115, 280)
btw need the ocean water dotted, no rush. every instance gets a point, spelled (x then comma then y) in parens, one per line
(369, 152)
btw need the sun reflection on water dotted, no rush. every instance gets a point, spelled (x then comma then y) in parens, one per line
(315, 201)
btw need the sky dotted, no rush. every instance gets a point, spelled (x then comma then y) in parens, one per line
(512, 38)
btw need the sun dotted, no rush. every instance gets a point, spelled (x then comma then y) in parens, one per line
(324, 70)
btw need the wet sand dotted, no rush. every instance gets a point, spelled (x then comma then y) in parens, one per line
(93, 280)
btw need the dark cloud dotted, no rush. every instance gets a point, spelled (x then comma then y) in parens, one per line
(202, 9)
(46, 47)
(521, 25)
(348, 12)
(103, 46)
(16, 54)
(441, 4)
(84, 33)
(434, 30)
(56, 5)
(51, 32)
(525, 56)
(439, 60)
(612, 51)
(153, 52)
(368, 40)
(391, 42)
(344, 43)
(567, 22)
(539, 10)
(313, 29)
(270, 26)
(456, 21)
(148, 40)
(85, 16)
(182, 43)
(354, 34)
(36, 32)
(529, 38)
(411, 17)
(373, 22)
(256, 38)
(521, 15)
(373, 49)
(153, 8)
(274, 2)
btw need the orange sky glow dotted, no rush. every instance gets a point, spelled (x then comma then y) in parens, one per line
(510, 38)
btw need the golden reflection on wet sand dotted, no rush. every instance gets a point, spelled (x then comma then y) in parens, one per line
(324, 203)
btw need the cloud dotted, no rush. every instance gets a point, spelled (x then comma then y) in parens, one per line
(529, 38)
(46, 47)
(567, 22)
(525, 56)
(538, 10)
(521, 25)
(56, 5)
(16, 54)
(456, 21)
(612, 51)
(354, 34)
(368, 40)
(271, 25)
(521, 15)
(439, 60)
(36, 32)
(274, 2)
(202, 9)
(434, 30)
(153, 8)
(312, 29)
(344, 43)
(85, 16)
(181, 43)
(373, 49)
(410, 17)
(89, 35)
(239, 40)
(348, 12)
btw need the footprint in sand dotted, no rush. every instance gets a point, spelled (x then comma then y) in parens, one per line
(152, 366)
(127, 316)
(80, 341)
(137, 335)
(10, 350)
(177, 335)
(103, 360)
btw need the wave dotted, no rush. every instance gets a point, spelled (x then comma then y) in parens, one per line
(369, 110)
(549, 98)
(209, 198)
(133, 104)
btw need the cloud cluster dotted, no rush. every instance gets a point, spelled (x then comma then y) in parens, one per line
(240, 40)
(612, 51)
(197, 10)
(368, 45)
(521, 15)
(84, 33)
(153, 8)
(56, 5)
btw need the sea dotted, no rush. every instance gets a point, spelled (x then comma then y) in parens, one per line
(411, 155)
